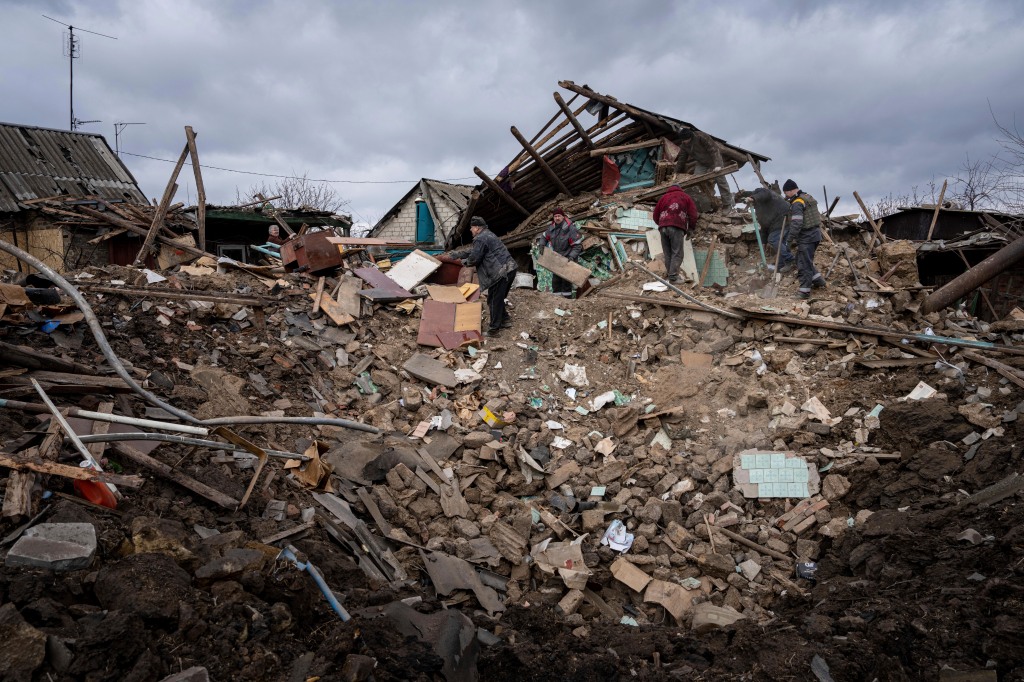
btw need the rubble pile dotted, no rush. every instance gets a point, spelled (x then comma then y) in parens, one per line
(625, 484)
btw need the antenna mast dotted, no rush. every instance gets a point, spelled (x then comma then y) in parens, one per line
(72, 52)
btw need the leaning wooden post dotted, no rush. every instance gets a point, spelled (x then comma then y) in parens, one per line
(161, 211)
(874, 226)
(200, 190)
(499, 191)
(573, 120)
(935, 215)
(540, 161)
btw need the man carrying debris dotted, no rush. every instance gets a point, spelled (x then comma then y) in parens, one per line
(699, 153)
(771, 211)
(676, 214)
(495, 268)
(805, 230)
(564, 237)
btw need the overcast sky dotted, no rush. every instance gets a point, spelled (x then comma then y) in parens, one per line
(870, 96)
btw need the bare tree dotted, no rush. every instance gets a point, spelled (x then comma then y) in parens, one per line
(295, 193)
(1009, 165)
(892, 202)
(976, 185)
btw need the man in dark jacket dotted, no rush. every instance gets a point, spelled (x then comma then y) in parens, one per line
(806, 231)
(771, 211)
(495, 268)
(676, 215)
(699, 153)
(564, 237)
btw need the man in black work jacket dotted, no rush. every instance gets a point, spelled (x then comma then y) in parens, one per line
(495, 268)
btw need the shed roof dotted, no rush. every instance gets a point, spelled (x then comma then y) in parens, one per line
(42, 162)
(455, 194)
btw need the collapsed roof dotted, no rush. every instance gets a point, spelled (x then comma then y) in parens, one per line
(36, 163)
(564, 157)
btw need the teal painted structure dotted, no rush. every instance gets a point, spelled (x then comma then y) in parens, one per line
(424, 224)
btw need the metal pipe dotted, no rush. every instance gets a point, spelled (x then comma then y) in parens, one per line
(106, 417)
(317, 421)
(97, 330)
(72, 436)
(987, 269)
(685, 295)
(184, 440)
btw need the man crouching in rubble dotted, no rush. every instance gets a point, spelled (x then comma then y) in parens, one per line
(564, 237)
(495, 268)
(675, 214)
(805, 222)
(771, 211)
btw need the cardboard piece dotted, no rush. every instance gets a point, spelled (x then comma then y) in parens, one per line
(12, 294)
(445, 294)
(430, 370)
(676, 599)
(413, 269)
(630, 575)
(563, 267)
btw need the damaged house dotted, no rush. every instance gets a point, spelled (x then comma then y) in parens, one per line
(426, 215)
(594, 146)
(41, 163)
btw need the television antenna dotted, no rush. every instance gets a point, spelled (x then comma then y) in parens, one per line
(119, 127)
(72, 51)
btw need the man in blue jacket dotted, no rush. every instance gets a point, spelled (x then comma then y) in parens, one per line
(495, 269)
(564, 237)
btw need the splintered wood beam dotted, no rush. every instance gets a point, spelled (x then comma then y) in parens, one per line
(935, 215)
(572, 119)
(625, 147)
(874, 225)
(538, 141)
(190, 135)
(467, 214)
(161, 211)
(141, 231)
(611, 101)
(540, 161)
(499, 191)
(757, 171)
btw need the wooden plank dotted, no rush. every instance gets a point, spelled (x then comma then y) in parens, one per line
(24, 356)
(467, 316)
(190, 136)
(66, 471)
(374, 511)
(318, 295)
(295, 530)
(625, 147)
(494, 187)
(445, 294)
(18, 495)
(563, 267)
(436, 318)
(871, 221)
(580, 130)
(175, 475)
(99, 428)
(413, 269)
(935, 215)
(161, 211)
(348, 296)
(539, 160)
(333, 310)
(378, 280)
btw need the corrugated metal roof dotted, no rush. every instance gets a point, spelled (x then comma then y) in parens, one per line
(42, 162)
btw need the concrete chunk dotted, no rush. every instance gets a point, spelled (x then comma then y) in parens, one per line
(194, 674)
(55, 546)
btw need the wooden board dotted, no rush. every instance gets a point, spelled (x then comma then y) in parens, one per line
(348, 296)
(435, 319)
(333, 309)
(467, 317)
(563, 267)
(430, 371)
(413, 269)
(384, 288)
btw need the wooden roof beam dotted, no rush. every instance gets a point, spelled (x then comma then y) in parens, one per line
(540, 162)
(572, 119)
(499, 191)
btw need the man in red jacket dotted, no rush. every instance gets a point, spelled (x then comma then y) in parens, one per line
(676, 215)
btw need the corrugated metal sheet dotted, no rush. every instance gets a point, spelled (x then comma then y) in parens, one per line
(41, 162)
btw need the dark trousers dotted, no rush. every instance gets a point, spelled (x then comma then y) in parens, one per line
(672, 247)
(559, 285)
(496, 301)
(777, 240)
(805, 264)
